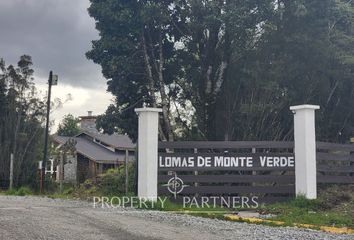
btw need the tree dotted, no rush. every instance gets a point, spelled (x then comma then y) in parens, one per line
(136, 52)
(165, 53)
(22, 115)
(220, 34)
(227, 70)
(304, 56)
(69, 126)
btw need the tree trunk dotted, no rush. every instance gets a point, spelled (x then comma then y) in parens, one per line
(151, 83)
(163, 93)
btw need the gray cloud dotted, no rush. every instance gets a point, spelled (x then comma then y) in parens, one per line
(56, 33)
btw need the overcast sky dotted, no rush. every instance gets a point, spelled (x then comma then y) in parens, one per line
(56, 33)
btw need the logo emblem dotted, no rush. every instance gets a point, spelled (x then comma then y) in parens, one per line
(175, 185)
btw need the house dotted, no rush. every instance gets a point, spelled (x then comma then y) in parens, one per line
(95, 152)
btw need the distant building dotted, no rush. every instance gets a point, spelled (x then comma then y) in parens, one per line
(95, 152)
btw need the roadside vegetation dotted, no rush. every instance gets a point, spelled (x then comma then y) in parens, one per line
(334, 206)
(22, 191)
(111, 183)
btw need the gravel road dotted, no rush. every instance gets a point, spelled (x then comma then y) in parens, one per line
(45, 218)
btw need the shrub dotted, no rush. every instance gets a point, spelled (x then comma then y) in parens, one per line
(68, 191)
(335, 195)
(110, 183)
(23, 191)
(309, 204)
(113, 181)
(50, 186)
(11, 192)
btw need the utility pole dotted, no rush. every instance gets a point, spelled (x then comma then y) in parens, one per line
(53, 80)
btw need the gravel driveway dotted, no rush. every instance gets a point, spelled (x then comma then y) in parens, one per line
(44, 218)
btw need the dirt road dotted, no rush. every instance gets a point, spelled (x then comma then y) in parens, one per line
(44, 218)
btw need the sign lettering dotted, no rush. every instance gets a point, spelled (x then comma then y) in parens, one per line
(174, 160)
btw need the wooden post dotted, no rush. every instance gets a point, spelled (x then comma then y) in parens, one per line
(11, 171)
(254, 172)
(61, 172)
(195, 174)
(100, 168)
(126, 171)
(94, 171)
(351, 158)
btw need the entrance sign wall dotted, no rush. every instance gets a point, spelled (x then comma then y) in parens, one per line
(304, 157)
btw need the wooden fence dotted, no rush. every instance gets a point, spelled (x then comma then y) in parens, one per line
(334, 165)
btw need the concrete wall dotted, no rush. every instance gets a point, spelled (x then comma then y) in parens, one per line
(70, 170)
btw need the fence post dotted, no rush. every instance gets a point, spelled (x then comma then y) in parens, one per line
(148, 152)
(305, 150)
(61, 174)
(126, 171)
(11, 171)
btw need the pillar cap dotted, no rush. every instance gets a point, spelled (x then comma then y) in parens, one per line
(148, 109)
(304, 106)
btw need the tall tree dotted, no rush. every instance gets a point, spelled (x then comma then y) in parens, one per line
(21, 118)
(219, 35)
(167, 52)
(225, 70)
(305, 54)
(136, 51)
(69, 126)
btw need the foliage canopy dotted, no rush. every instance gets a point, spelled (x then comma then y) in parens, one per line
(227, 70)
(69, 126)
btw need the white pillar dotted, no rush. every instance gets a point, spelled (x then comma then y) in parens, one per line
(305, 150)
(147, 152)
